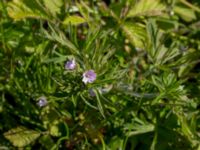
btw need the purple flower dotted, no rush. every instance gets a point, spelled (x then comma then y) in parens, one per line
(70, 64)
(42, 101)
(89, 76)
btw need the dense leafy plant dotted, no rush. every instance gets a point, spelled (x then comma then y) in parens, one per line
(118, 74)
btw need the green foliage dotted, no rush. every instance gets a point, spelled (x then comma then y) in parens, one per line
(21, 136)
(147, 8)
(74, 20)
(22, 9)
(145, 54)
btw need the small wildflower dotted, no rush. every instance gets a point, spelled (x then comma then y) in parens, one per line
(42, 101)
(89, 76)
(70, 64)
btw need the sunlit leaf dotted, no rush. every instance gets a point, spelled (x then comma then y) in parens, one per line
(21, 136)
(147, 8)
(54, 6)
(135, 129)
(74, 20)
(26, 9)
(185, 13)
(136, 33)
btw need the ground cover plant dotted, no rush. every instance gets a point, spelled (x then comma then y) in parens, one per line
(98, 74)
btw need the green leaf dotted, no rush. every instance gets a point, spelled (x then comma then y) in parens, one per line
(153, 37)
(74, 20)
(46, 141)
(21, 136)
(185, 13)
(139, 129)
(147, 8)
(158, 52)
(136, 34)
(55, 60)
(59, 36)
(185, 128)
(54, 6)
(99, 103)
(115, 143)
(20, 9)
(166, 23)
(12, 37)
(54, 130)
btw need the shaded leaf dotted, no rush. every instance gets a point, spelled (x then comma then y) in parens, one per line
(158, 52)
(47, 141)
(167, 24)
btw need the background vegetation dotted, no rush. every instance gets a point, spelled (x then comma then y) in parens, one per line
(145, 54)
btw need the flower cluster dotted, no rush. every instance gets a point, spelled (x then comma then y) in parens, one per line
(88, 76)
